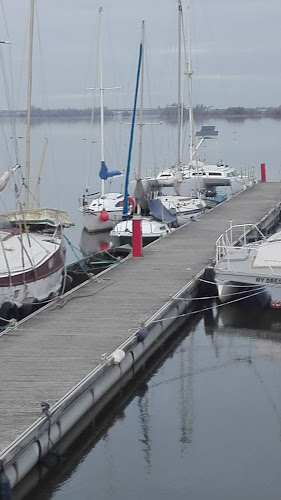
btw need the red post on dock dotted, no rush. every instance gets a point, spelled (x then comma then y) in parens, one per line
(137, 236)
(263, 174)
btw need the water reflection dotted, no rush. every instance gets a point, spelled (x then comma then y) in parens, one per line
(47, 480)
(251, 320)
(93, 243)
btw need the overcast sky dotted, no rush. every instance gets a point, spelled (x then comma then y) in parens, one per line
(236, 47)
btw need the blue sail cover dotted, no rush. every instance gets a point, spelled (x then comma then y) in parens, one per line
(159, 212)
(104, 173)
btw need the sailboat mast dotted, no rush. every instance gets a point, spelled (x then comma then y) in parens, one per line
(189, 79)
(138, 172)
(125, 208)
(101, 102)
(179, 83)
(29, 90)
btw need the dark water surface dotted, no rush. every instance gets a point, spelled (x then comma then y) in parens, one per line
(203, 421)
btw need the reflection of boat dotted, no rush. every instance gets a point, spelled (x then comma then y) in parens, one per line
(95, 242)
(249, 319)
(252, 270)
(32, 257)
(105, 210)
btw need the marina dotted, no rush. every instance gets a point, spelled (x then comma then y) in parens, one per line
(75, 344)
(140, 321)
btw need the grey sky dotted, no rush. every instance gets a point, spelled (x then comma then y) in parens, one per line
(236, 50)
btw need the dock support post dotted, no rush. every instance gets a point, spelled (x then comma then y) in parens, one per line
(263, 174)
(137, 236)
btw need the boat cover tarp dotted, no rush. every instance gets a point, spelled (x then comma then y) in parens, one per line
(159, 212)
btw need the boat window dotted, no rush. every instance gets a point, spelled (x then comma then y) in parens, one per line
(119, 203)
(215, 173)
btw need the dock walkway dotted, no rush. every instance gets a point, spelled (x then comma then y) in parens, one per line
(50, 352)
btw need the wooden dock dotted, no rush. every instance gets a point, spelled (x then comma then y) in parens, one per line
(50, 352)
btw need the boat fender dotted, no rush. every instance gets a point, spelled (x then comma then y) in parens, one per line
(142, 334)
(103, 217)
(131, 203)
(118, 356)
(5, 487)
(5, 313)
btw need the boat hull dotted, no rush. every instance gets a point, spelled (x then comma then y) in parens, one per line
(94, 223)
(127, 240)
(37, 280)
(151, 231)
(233, 291)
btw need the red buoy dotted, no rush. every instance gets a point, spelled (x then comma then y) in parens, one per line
(104, 216)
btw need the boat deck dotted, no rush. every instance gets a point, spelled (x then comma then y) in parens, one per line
(50, 352)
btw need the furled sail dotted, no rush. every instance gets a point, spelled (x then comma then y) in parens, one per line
(6, 176)
(104, 173)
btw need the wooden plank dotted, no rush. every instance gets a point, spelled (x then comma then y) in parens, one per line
(52, 351)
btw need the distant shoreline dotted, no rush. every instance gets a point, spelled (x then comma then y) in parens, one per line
(166, 113)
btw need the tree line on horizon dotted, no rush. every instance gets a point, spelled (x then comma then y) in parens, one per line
(168, 112)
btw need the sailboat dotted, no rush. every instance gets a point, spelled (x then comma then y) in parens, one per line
(160, 221)
(102, 211)
(196, 176)
(32, 251)
(185, 206)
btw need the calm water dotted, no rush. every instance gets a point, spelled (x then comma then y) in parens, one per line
(72, 158)
(204, 420)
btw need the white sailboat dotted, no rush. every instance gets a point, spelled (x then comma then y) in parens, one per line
(195, 175)
(185, 206)
(153, 226)
(32, 251)
(104, 210)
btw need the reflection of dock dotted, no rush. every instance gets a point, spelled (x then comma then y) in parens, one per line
(55, 349)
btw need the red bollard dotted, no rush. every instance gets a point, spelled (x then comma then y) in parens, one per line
(137, 236)
(263, 174)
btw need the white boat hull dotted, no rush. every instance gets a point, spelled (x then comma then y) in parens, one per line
(103, 213)
(28, 279)
(233, 291)
(151, 231)
(251, 270)
(94, 223)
